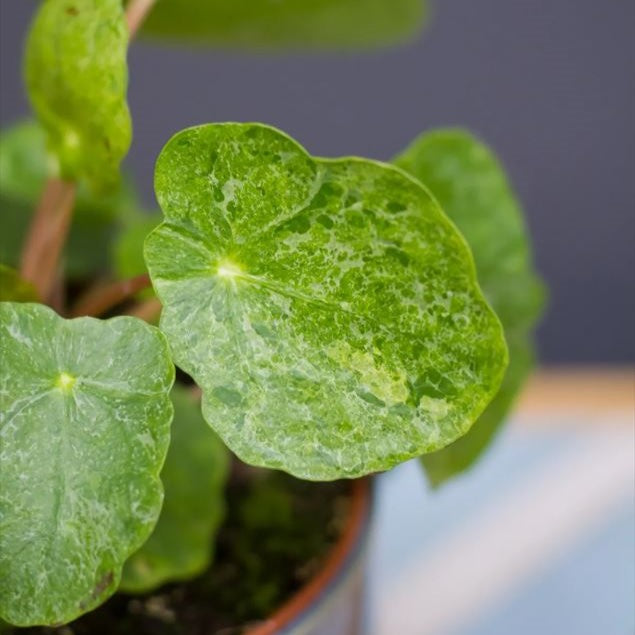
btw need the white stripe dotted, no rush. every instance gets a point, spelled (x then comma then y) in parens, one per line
(471, 569)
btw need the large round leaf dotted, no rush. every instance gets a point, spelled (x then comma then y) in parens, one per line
(471, 185)
(84, 429)
(327, 308)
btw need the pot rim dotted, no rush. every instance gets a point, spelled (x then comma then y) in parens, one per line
(343, 550)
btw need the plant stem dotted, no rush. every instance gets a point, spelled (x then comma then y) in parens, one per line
(101, 298)
(148, 310)
(57, 299)
(47, 235)
(136, 11)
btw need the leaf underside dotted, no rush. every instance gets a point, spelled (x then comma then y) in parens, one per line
(181, 545)
(468, 181)
(84, 425)
(77, 76)
(271, 24)
(327, 308)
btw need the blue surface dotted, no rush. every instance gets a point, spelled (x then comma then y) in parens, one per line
(410, 514)
(586, 589)
(590, 590)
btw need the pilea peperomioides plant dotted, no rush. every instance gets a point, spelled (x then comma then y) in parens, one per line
(328, 310)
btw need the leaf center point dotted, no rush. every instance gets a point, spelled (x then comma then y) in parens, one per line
(65, 382)
(228, 269)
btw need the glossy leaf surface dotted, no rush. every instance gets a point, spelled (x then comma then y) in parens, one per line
(469, 182)
(77, 75)
(340, 24)
(327, 308)
(84, 429)
(181, 545)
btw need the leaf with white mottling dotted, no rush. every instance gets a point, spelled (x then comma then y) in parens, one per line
(77, 76)
(327, 308)
(84, 429)
(472, 188)
(181, 545)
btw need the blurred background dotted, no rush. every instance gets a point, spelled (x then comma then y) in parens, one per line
(548, 84)
(539, 538)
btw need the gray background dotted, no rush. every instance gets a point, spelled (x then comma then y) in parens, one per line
(550, 84)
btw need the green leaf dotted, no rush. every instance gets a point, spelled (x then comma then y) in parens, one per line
(327, 308)
(24, 162)
(85, 424)
(342, 24)
(469, 182)
(128, 247)
(13, 288)
(24, 167)
(194, 474)
(77, 77)
(464, 452)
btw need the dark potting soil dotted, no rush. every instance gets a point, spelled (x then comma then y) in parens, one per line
(276, 535)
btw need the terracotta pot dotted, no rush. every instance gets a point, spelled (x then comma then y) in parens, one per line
(331, 603)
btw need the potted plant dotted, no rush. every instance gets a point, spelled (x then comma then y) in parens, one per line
(327, 319)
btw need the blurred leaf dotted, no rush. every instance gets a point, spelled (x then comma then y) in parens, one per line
(24, 168)
(13, 288)
(24, 162)
(193, 476)
(472, 188)
(319, 24)
(127, 251)
(128, 247)
(76, 76)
